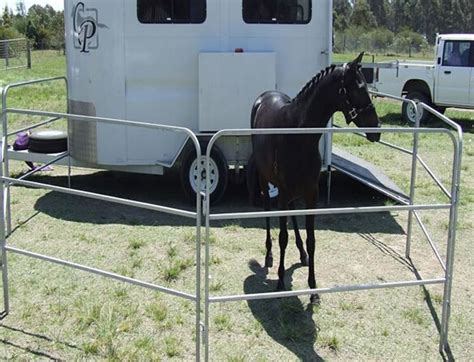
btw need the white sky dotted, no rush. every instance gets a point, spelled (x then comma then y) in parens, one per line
(56, 4)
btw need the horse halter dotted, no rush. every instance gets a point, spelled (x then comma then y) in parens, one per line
(352, 112)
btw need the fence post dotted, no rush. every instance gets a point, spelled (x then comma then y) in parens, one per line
(414, 163)
(28, 54)
(7, 51)
(3, 241)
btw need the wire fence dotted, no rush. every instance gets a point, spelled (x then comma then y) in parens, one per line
(14, 53)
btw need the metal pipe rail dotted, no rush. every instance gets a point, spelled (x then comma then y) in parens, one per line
(430, 240)
(455, 185)
(38, 169)
(6, 181)
(335, 289)
(102, 273)
(27, 128)
(326, 211)
(447, 266)
(6, 134)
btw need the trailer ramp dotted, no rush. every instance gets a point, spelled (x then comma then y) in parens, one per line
(367, 174)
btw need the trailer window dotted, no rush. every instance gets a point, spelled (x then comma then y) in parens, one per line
(456, 53)
(171, 11)
(276, 11)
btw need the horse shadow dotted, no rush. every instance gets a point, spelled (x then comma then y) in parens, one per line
(285, 320)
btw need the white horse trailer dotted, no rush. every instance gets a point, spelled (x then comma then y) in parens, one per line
(198, 64)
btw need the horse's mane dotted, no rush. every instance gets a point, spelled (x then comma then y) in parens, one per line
(314, 82)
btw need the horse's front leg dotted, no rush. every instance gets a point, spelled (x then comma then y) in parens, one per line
(268, 244)
(299, 241)
(283, 240)
(310, 246)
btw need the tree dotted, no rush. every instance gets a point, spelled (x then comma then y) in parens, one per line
(454, 19)
(380, 9)
(20, 8)
(31, 31)
(6, 17)
(408, 41)
(362, 15)
(341, 14)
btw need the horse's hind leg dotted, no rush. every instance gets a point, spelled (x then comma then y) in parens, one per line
(266, 207)
(299, 241)
(283, 240)
(268, 244)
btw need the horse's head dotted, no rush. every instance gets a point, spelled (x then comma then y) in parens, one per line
(356, 103)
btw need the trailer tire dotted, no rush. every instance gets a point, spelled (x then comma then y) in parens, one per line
(409, 112)
(219, 173)
(48, 141)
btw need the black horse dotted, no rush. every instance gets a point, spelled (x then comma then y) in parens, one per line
(292, 162)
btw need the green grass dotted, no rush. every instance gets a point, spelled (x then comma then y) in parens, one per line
(377, 58)
(59, 313)
(332, 343)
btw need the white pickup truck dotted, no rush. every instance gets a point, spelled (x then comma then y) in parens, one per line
(449, 82)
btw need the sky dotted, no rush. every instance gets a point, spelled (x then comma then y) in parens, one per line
(56, 4)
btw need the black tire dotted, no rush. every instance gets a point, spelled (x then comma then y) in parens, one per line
(48, 141)
(408, 111)
(219, 170)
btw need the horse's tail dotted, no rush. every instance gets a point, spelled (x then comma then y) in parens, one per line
(253, 184)
(252, 172)
(255, 107)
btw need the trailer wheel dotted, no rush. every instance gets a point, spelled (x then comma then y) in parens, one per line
(409, 111)
(219, 174)
(48, 141)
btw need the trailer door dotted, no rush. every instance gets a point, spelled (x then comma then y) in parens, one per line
(163, 40)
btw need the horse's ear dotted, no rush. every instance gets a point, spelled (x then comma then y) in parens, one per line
(356, 62)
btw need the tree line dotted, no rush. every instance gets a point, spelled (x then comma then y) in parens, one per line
(43, 26)
(399, 26)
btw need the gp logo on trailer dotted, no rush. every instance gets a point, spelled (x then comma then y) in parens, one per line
(85, 24)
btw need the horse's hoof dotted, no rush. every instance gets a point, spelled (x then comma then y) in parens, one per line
(268, 262)
(315, 299)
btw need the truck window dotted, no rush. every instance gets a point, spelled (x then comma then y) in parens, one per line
(276, 11)
(171, 11)
(457, 53)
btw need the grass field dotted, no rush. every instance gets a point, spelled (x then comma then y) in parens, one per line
(60, 313)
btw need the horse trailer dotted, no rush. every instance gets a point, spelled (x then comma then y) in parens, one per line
(197, 64)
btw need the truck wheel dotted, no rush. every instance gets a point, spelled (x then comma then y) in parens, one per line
(219, 174)
(409, 112)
